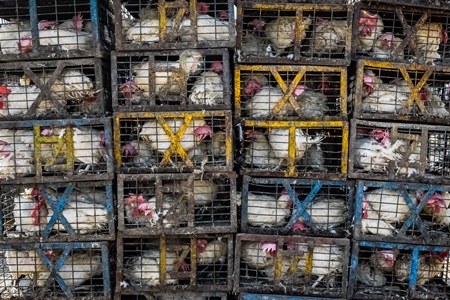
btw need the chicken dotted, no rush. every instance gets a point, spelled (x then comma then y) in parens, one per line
(410, 149)
(259, 153)
(434, 106)
(257, 255)
(219, 144)
(26, 262)
(314, 159)
(16, 159)
(281, 32)
(144, 269)
(146, 29)
(369, 276)
(430, 266)
(329, 36)
(209, 29)
(264, 210)
(312, 104)
(385, 98)
(327, 260)
(325, 213)
(208, 87)
(253, 46)
(166, 80)
(372, 223)
(211, 253)
(139, 153)
(385, 46)
(383, 260)
(370, 28)
(279, 140)
(12, 34)
(158, 139)
(428, 38)
(436, 207)
(389, 204)
(78, 267)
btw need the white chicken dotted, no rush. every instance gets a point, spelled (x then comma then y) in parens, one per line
(328, 37)
(208, 87)
(16, 159)
(430, 265)
(205, 191)
(434, 106)
(259, 152)
(370, 28)
(386, 45)
(17, 100)
(12, 33)
(146, 29)
(144, 269)
(139, 153)
(26, 262)
(257, 255)
(389, 204)
(372, 223)
(211, 253)
(265, 99)
(428, 38)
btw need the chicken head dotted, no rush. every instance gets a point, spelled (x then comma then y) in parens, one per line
(435, 203)
(202, 8)
(40, 203)
(369, 85)
(369, 22)
(365, 206)
(223, 15)
(77, 22)
(25, 44)
(5, 149)
(324, 88)
(388, 257)
(4, 93)
(203, 131)
(127, 89)
(217, 67)
(201, 245)
(386, 41)
(253, 86)
(258, 25)
(44, 25)
(381, 136)
(129, 150)
(134, 202)
(444, 36)
(269, 248)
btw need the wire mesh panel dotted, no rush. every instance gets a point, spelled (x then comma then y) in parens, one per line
(402, 212)
(395, 91)
(317, 208)
(245, 296)
(173, 296)
(293, 33)
(398, 151)
(290, 92)
(173, 142)
(54, 89)
(291, 265)
(55, 271)
(294, 149)
(40, 29)
(400, 33)
(398, 271)
(441, 4)
(173, 80)
(173, 263)
(177, 203)
(57, 212)
(56, 150)
(174, 25)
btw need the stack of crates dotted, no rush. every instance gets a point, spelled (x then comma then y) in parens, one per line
(400, 150)
(292, 132)
(56, 156)
(173, 147)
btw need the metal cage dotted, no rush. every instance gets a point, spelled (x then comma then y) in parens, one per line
(177, 203)
(60, 29)
(290, 93)
(399, 152)
(173, 296)
(56, 150)
(174, 25)
(382, 270)
(173, 142)
(54, 89)
(293, 33)
(245, 296)
(289, 265)
(294, 149)
(202, 263)
(172, 80)
(296, 206)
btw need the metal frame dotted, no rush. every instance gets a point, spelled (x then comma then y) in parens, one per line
(152, 106)
(280, 241)
(299, 9)
(416, 3)
(288, 89)
(245, 296)
(163, 166)
(148, 296)
(134, 289)
(302, 204)
(121, 45)
(190, 216)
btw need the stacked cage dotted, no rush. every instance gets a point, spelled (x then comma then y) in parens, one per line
(173, 143)
(56, 157)
(399, 96)
(291, 125)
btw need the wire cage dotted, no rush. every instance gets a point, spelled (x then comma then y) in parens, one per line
(57, 212)
(246, 296)
(293, 149)
(202, 263)
(400, 33)
(56, 151)
(402, 212)
(399, 152)
(174, 25)
(172, 80)
(55, 271)
(441, 4)
(317, 208)
(173, 296)
(177, 203)
(397, 271)
(290, 93)
(396, 91)
(173, 142)
(54, 89)
(299, 33)
(60, 29)
(289, 265)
